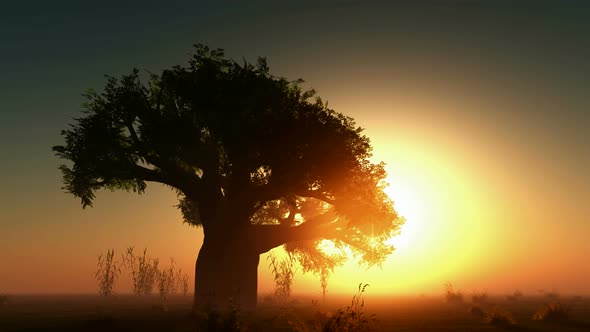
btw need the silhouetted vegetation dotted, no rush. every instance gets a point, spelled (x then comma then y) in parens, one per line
(500, 317)
(3, 300)
(517, 295)
(477, 311)
(353, 318)
(167, 282)
(144, 271)
(146, 275)
(107, 273)
(254, 159)
(452, 295)
(283, 272)
(480, 298)
(133, 313)
(552, 312)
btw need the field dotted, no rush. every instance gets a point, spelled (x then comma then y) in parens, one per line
(130, 313)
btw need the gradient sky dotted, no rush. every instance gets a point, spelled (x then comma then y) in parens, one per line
(480, 109)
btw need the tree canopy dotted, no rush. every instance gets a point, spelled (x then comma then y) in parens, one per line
(241, 148)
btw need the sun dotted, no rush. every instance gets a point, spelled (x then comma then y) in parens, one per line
(408, 204)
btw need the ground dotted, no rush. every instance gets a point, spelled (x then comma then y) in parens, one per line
(412, 313)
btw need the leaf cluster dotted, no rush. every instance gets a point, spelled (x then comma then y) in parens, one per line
(239, 146)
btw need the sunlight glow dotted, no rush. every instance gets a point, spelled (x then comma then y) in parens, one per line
(407, 204)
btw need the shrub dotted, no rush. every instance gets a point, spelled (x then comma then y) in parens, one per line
(499, 317)
(353, 319)
(284, 271)
(3, 300)
(552, 296)
(212, 320)
(514, 296)
(182, 282)
(452, 295)
(166, 279)
(107, 273)
(477, 311)
(480, 298)
(552, 312)
(144, 271)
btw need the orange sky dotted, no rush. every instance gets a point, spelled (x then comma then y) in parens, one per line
(481, 115)
(474, 217)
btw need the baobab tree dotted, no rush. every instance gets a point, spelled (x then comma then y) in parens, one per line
(255, 160)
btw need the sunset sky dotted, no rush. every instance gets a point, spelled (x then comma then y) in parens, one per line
(481, 111)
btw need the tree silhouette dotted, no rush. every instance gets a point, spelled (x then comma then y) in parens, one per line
(254, 162)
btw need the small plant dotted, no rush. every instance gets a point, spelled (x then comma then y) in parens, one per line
(517, 295)
(108, 271)
(144, 271)
(166, 280)
(352, 319)
(499, 317)
(552, 296)
(212, 320)
(3, 300)
(324, 276)
(182, 282)
(452, 295)
(284, 271)
(477, 311)
(480, 298)
(552, 312)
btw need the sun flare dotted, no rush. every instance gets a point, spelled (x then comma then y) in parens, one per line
(408, 205)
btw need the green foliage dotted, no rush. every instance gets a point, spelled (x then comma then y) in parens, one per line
(352, 319)
(107, 273)
(553, 312)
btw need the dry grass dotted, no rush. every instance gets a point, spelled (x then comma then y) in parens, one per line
(144, 271)
(3, 300)
(352, 319)
(78, 313)
(477, 311)
(452, 295)
(216, 321)
(553, 312)
(498, 317)
(107, 273)
(517, 295)
(479, 298)
(283, 272)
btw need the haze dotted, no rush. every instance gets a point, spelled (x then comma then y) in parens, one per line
(480, 112)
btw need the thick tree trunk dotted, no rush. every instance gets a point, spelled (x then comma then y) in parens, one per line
(226, 271)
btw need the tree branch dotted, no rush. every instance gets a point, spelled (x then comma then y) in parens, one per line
(271, 236)
(317, 194)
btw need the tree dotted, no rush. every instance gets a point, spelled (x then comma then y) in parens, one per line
(254, 160)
